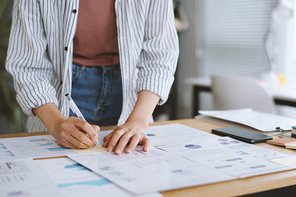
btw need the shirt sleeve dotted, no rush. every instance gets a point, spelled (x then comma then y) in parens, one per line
(159, 56)
(27, 59)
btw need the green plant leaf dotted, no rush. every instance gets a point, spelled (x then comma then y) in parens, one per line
(9, 108)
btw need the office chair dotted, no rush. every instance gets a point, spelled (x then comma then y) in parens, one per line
(233, 92)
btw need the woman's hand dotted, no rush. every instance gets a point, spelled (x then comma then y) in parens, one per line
(132, 132)
(134, 129)
(71, 132)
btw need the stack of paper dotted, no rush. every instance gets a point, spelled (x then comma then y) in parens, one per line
(261, 121)
(291, 145)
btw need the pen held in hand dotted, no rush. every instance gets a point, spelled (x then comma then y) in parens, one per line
(75, 109)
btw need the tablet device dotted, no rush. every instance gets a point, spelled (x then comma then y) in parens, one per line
(242, 134)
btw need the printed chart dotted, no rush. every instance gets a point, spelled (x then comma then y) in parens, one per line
(156, 170)
(168, 134)
(229, 156)
(24, 178)
(174, 133)
(35, 146)
(75, 180)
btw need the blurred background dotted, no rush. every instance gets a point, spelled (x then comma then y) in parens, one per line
(12, 120)
(251, 38)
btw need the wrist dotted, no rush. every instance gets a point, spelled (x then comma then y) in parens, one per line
(142, 121)
(50, 116)
(144, 108)
(55, 126)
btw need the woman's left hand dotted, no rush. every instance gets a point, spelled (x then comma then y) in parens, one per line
(134, 129)
(131, 131)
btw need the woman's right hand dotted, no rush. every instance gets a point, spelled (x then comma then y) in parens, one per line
(69, 133)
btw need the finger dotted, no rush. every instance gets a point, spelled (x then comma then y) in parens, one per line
(107, 139)
(77, 137)
(123, 141)
(85, 127)
(68, 139)
(134, 142)
(81, 139)
(67, 144)
(115, 138)
(97, 129)
(78, 144)
(146, 143)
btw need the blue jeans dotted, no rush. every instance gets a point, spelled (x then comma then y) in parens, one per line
(97, 91)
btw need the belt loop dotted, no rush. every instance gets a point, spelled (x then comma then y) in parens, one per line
(83, 68)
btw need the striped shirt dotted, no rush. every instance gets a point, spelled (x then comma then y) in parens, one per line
(40, 52)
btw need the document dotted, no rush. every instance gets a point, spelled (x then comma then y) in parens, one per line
(229, 156)
(23, 178)
(174, 133)
(261, 121)
(156, 170)
(43, 146)
(76, 181)
(167, 134)
(35, 146)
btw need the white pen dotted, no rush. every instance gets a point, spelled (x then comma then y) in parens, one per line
(75, 109)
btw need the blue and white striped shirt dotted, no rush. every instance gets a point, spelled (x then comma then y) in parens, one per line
(41, 49)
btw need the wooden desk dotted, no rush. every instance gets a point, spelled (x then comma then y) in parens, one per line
(275, 184)
(200, 84)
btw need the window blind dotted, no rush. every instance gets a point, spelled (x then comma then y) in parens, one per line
(231, 36)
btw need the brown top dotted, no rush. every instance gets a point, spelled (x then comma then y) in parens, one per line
(95, 41)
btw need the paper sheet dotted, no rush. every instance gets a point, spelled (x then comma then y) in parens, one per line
(174, 133)
(229, 156)
(167, 134)
(40, 146)
(156, 170)
(287, 161)
(262, 121)
(291, 145)
(76, 181)
(23, 178)
(43, 146)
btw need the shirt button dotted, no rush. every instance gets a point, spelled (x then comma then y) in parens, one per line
(66, 48)
(74, 11)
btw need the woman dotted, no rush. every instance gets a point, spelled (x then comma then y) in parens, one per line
(52, 40)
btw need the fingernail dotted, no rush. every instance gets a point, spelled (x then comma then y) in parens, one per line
(110, 148)
(129, 150)
(118, 151)
(146, 149)
(94, 138)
